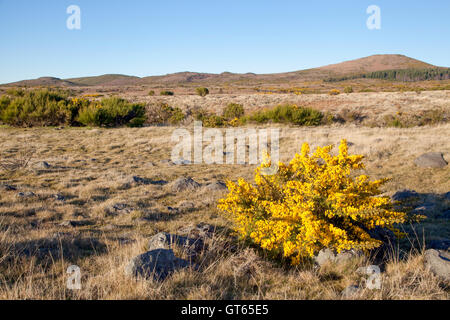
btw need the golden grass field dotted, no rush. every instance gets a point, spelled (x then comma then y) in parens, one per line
(89, 172)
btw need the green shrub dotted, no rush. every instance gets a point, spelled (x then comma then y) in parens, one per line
(233, 110)
(111, 112)
(166, 93)
(38, 107)
(151, 93)
(289, 114)
(348, 89)
(202, 91)
(162, 113)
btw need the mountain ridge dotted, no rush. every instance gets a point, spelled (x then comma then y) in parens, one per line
(379, 62)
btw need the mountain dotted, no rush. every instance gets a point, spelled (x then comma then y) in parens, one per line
(372, 63)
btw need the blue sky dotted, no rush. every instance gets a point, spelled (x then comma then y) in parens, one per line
(149, 37)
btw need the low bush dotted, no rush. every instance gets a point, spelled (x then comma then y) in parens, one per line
(52, 108)
(166, 93)
(202, 91)
(112, 112)
(233, 110)
(289, 114)
(334, 92)
(162, 113)
(311, 203)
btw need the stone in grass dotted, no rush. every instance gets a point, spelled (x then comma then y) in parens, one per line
(329, 256)
(438, 261)
(404, 195)
(7, 187)
(43, 165)
(158, 264)
(183, 183)
(27, 194)
(431, 160)
(216, 186)
(164, 240)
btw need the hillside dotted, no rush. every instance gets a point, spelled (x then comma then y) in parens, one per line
(372, 63)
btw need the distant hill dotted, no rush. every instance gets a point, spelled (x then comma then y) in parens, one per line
(341, 70)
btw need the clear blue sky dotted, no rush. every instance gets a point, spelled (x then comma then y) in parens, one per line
(149, 37)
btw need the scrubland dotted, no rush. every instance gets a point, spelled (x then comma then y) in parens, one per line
(72, 200)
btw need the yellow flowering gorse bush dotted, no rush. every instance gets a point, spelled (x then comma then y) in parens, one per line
(309, 204)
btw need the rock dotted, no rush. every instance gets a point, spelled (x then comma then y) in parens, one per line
(157, 263)
(75, 223)
(201, 230)
(7, 187)
(27, 194)
(216, 186)
(350, 291)
(431, 160)
(186, 206)
(182, 184)
(43, 165)
(164, 240)
(118, 209)
(438, 262)
(404, 195)
(329, 256)
(133, 181)
(167, 162)
(59, 197)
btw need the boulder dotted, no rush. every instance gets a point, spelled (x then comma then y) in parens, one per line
(329, 256)
(216, 186)
(431, 160)
(438, 261)
(164, 240)
(182, 184)
(404, 195)
(158, 264)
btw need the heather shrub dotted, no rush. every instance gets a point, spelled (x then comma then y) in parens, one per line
(111, 112)
(288, 114)
(162, 113)
(313, 202)
(348, 89)
(202, 91)
(30, 108)
(233, 110)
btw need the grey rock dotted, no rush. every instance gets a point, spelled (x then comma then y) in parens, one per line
(59, 197)
(350, 291)
(167, 162)
(431, 160)
(438, 261)
(329, 256)
(164, 240)
(158, 264)
(43, 165)
(27, 194)
(186, 206)
(7, 187)
(182, 184)
(75, 223)
(201, 230)
(404, 195)
(118, 209)
(216, 186)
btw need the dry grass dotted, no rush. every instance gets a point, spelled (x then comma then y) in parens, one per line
(90, 169)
